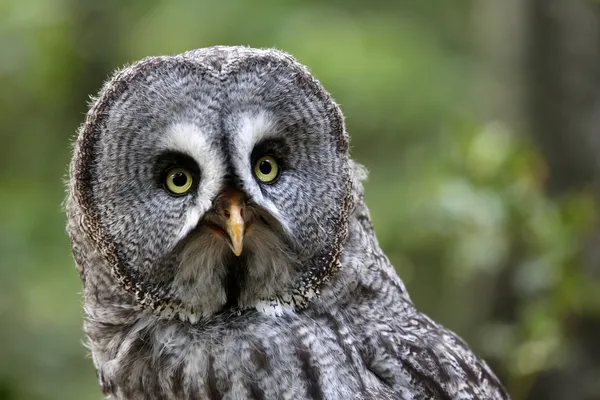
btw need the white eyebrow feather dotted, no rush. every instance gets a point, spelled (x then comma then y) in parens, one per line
(251, 129)
(255, 127)
(188, 138)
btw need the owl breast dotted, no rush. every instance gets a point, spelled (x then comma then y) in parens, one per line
(247, 356)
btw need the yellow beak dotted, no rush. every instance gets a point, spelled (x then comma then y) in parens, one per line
(232, 203)
(234, 226)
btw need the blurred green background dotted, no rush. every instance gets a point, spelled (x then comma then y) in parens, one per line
(478, 121)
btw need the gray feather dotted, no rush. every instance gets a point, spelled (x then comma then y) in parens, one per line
(311, 309)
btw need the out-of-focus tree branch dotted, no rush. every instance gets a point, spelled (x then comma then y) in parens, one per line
(563, 69)
(545, 58)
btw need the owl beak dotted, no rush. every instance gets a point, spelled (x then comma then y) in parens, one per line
(233, 212)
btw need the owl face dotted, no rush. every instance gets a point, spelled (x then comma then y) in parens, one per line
(213, 180)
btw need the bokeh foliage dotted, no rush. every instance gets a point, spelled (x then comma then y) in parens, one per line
(458, 201)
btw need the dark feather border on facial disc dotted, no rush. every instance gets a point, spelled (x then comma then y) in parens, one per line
(157, 299)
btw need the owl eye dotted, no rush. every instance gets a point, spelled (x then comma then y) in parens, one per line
(266, 169)
(178, 181)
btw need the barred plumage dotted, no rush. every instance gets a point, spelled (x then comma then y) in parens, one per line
(307, 307)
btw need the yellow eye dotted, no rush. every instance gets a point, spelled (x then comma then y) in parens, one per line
(266, 169)
(179, 181)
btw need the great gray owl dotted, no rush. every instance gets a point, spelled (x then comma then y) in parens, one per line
(219, 228)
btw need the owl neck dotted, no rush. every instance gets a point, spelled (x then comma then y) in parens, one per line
(365, 267)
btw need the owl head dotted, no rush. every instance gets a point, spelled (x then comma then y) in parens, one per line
(209, 181)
